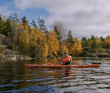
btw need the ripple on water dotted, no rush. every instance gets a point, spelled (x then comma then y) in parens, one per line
(16, 81)
(100, 77)
(106, 80)
(48, 80)
(102, 86)
(78, 89)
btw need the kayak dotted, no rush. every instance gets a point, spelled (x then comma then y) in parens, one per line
(60, 66)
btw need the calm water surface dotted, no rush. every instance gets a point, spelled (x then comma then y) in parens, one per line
(15, 78)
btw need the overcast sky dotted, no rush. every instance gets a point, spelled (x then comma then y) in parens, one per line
(82, 17)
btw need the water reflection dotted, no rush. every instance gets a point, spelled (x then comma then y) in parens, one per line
(62, 77)
(14, 77)
(77, 61)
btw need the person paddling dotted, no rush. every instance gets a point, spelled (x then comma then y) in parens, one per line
(67, 59)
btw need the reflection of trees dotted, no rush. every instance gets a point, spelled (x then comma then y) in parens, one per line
(68, 73)
(77, 61)
(53, 61)
(41, 75)
(41, 61)
(44, 61)
(71, 75)
(63, 75)
(11, 76)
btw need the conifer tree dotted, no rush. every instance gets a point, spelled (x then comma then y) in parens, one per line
(59, 37)
(41, 23)
(1, 25)
(70, 37)
(34, 24)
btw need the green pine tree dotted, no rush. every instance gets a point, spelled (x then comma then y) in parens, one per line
(59, 37)
(34, 24)
(41, 23)
(70, 37)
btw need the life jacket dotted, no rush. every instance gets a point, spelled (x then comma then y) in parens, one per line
(67, 60)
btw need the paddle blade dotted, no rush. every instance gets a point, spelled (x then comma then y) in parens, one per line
(55, 55)
(96, 63)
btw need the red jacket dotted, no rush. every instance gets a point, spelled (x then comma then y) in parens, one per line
(67, 59)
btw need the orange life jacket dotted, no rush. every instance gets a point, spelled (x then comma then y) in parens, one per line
(67, 59)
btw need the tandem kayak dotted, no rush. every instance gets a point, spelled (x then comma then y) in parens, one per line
(60, 66)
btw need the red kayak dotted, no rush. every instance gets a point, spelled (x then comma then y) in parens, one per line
(60, 66)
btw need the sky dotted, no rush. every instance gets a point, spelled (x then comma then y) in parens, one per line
(83, 17)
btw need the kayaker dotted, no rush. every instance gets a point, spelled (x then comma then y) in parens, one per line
(67, 59)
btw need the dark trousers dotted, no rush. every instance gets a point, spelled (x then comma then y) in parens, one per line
(67, 63)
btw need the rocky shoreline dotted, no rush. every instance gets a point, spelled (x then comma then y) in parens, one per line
(16, 57)
(9, 55)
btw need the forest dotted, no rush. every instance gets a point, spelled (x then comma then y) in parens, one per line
(37, 41)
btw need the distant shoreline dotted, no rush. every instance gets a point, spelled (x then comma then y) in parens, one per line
(55, 58)
(91, 57)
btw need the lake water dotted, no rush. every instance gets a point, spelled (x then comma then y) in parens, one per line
(15, 78)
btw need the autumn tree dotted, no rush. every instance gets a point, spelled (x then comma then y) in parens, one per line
(33, 42)
(107, 42)
(53, 43)
(38, 44)
(62, 48)
(42, 44)
(76, 49)
(24, 40)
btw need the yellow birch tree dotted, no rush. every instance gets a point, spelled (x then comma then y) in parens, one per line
(53, 43)
(76, 50)
(24, 39)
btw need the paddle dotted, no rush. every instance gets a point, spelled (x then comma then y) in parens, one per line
(55, 56)
(95, 63)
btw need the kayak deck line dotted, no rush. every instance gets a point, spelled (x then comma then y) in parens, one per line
(61, 66)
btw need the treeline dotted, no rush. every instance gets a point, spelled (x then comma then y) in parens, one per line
(37, 41)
